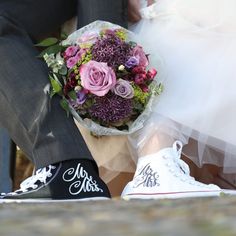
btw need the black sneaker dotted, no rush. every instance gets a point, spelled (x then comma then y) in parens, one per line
(68, 180)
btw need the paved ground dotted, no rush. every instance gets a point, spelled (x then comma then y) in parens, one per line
(195, 217)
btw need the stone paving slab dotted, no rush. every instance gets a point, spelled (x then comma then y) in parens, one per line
(195, 217)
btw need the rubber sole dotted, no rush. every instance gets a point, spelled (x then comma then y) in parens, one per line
(172, 195)
(2, 201)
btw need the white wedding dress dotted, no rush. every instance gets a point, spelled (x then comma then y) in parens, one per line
(197, 41)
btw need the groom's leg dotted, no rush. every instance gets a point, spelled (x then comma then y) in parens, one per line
(35, 122)
(113, 11)
(38, 17)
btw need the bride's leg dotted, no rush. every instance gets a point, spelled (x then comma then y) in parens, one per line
(156, 142)
(155, 135)
(160, 172)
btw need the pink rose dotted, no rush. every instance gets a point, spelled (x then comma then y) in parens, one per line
(71, 51)
(97, 77)
(141, 56)
(88, 38)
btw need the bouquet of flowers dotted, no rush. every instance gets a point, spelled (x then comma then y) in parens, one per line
(103, 77)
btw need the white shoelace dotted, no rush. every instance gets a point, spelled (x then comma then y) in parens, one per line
(178, 146)
(40, 175)
(182, 169)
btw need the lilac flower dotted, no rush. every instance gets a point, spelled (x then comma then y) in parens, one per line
(132, 62)
(81, 97)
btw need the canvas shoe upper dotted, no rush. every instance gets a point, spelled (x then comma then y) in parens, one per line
(69, 180)
(165, 175)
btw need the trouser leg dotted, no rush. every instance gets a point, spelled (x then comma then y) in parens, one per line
(113, 11)
(35, 122)
(38, 17)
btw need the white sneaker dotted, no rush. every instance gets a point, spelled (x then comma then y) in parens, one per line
(165, 175)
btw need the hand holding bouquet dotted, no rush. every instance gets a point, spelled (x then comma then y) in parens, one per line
(102, 75)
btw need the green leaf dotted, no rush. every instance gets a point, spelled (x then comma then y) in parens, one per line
(51, 50)
(52, 93)
(64, 35)
(47, 42)
(56, 86)
(65, 105)
(72, 95)
(157, 89)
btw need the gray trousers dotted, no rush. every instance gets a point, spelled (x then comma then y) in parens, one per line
(36, 123)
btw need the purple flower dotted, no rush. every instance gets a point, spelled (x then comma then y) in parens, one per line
(81, 97)
(140, 54)
(132, 62)
(123, 89)
(111, 109)
(111, 50)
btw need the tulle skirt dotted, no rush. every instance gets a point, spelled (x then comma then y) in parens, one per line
(196, 40)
